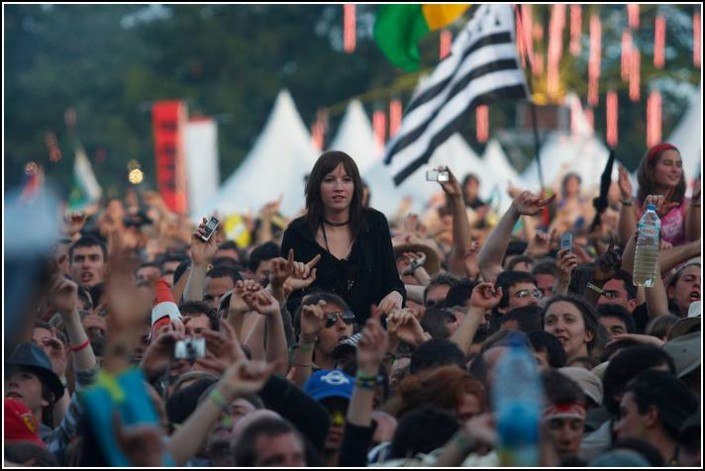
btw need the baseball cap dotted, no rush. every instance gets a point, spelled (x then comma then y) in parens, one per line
(329, 383)
(587, 380)
(685, 351)
(20, 423)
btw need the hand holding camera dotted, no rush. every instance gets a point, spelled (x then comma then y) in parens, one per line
(203, 244)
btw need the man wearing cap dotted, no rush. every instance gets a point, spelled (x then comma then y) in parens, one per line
(29, 376)
(333, 389)
(685, 351)
(653, 408)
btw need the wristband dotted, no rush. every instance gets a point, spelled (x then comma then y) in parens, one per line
(217, 397)
(627, 202)
(78, 348)
(307, 347)
(365, 381)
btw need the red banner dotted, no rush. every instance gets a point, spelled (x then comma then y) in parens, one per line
(168, 121)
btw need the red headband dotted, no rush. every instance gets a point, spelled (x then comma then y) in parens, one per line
(659, 148)
(568, 411)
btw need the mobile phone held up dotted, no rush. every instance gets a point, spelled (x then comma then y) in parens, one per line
(567, 241)
(436, 176)
(210, 228)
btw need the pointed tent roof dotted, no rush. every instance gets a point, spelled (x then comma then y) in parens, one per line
(581, 153)
(685, 137)
(277, 165)
(563, 153)
(355, 137)
(454, 152)
(494, 183)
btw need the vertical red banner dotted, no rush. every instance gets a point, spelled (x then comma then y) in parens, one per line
(659, 42)
(696, 40)
(168, 122)
(395, 114)
(349, 28)
(612, 136)
(576, 26)
(653, 118)
(482, 114)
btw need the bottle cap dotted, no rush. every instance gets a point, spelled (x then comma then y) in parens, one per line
(651, 207)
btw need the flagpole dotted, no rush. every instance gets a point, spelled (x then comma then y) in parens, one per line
(534, 125)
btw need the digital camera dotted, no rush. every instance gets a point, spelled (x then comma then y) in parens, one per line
(191, 348)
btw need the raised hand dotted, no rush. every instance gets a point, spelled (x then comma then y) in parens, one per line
(566, 261)
(271, 208)
(607, 264)
(264, 303)
(73, 223)
(312, 321)
(202, 252)
(222, 350)
(452, 186)
(540, 244)
(63, 296)
(529, 204)
(303, 274)
(372, 347)
(245, 377)
(403, 325)
(624, 183)
(485, 296)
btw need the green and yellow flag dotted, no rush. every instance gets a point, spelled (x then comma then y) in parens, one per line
(399, 28)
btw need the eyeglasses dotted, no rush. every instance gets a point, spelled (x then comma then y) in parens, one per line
(332, 317)
(525, 293)
(610, 294)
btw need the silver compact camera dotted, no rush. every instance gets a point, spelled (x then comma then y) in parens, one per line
(191, 348)
(436, 176)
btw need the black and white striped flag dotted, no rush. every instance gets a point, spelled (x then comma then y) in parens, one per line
(481, 69)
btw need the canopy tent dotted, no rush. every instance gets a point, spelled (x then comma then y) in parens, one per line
(500, 174)
(455, 153)
(277, 165)
(355, 137)
(579, 152)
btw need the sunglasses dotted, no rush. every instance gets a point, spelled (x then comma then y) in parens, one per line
(332, 317)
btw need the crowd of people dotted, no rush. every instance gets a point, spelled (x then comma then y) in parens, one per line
(346, 339)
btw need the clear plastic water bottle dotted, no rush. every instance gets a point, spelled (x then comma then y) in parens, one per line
(517, 396)
(647, 244)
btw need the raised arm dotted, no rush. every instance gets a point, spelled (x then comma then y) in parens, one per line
(201, 253)
(358, 430)
(484, 298)
(461, 226)
(492, 251)
(627, 213)
(242, 378)
(693, 216)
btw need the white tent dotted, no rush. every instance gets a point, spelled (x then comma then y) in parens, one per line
(687, 136)
(500, 174)
(579, 152)
(454, 152)
(277, 165)
(355, 137)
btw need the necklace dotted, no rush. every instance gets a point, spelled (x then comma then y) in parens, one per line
(336, 224)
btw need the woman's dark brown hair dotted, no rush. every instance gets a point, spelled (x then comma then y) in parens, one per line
(325, 164)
